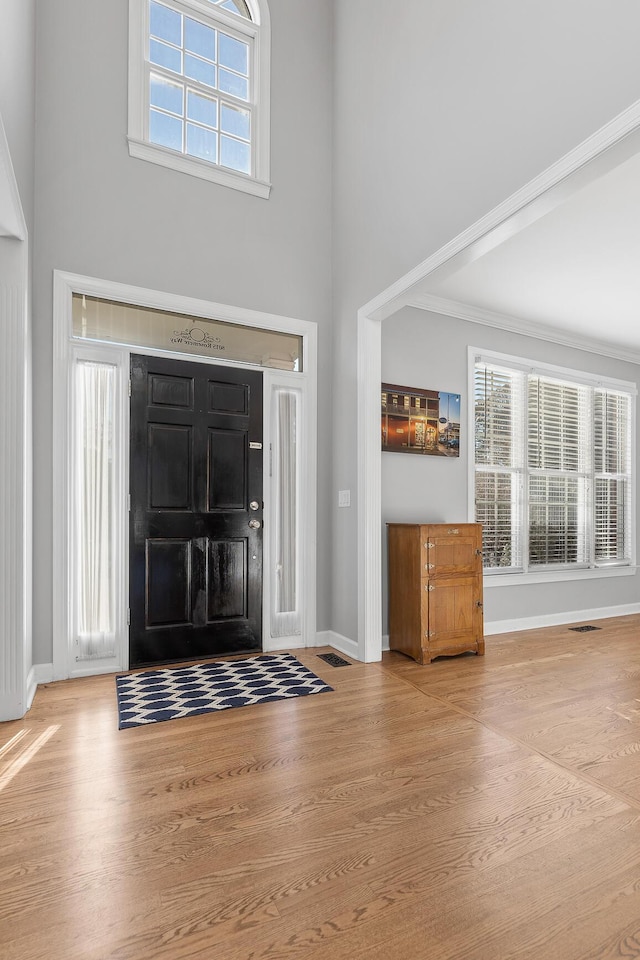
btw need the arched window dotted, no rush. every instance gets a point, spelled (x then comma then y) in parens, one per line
(199, 88)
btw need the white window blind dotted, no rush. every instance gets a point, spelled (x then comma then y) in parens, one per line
(612, 455)
(499, 449)
(552, 470)
(558, 455)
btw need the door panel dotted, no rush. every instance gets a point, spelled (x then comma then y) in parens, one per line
(170, 467)
(196, 463)
(227, 470)
(228, 398)
(227, 588)
(171, 392)
(168, 575)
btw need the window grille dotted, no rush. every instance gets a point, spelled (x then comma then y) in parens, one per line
(552, 469)
(199, 88)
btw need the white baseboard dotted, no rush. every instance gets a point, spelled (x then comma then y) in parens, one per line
(329, 638)
(550, 620)
(556, 619)
(11, 708)
(274, 644)
(32, 686)
(42, 672)
(39, 673)
(15, 707)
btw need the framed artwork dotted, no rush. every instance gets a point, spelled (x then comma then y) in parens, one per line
(415, 420)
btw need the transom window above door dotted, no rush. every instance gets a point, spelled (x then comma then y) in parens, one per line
(199, 88)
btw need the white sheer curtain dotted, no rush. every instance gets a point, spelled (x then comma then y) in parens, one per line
(285, 615)
(95, 397)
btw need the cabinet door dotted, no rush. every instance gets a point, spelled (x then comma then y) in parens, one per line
(450, 551)
(455, 618)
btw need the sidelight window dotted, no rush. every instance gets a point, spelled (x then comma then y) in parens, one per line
(95, 487)
(286, 454)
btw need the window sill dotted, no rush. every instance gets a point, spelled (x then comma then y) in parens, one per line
(198, 168)
(555, 576)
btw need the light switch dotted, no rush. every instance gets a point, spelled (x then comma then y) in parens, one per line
(344, 498)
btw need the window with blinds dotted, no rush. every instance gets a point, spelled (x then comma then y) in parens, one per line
(552, 469)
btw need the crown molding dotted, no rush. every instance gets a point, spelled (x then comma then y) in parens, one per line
(526, 328)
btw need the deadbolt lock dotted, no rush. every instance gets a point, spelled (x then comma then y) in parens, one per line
(254, 505)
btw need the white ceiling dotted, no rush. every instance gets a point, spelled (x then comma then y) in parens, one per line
(576, 269)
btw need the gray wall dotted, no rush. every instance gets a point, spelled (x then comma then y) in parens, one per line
(438, 111)
(421, 349)
(104, 214)
(17, 92)
(443, 109)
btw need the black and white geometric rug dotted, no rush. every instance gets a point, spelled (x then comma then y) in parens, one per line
(184, 691)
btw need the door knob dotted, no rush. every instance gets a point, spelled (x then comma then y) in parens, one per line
(254, 505)
(254, 524)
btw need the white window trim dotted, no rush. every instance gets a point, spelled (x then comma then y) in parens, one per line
(66, 347)
(496, 578)
(258, 184)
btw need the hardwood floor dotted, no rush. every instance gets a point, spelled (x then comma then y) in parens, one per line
(484, 808)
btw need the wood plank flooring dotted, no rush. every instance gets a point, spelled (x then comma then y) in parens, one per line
(485, 808)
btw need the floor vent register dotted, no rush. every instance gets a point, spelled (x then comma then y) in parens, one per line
(334, 660)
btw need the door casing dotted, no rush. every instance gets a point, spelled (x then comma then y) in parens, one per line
(66, 350)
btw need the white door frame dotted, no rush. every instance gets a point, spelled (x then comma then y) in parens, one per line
(607, 148)
(65, 348)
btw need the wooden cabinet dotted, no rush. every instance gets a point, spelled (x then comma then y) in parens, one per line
(435, 589)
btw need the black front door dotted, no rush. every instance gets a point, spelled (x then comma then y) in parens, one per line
(196, 511)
